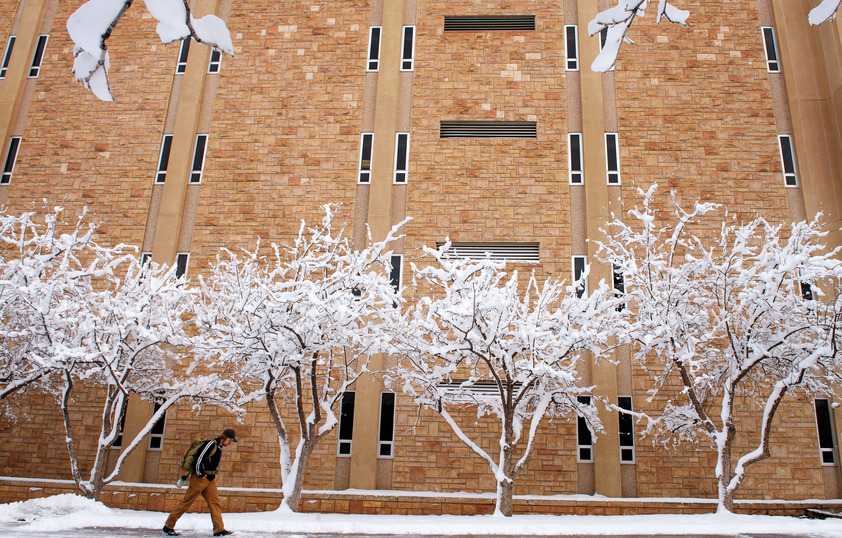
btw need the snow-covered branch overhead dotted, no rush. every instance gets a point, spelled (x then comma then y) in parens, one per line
(616, 22)
(824, 12)
(91, 25)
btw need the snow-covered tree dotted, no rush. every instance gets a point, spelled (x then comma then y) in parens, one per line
(39, 268)
(735, 322)
(74, 313)
(479, 340)
(131, 324)
(298, 326)
(617, 20)
(91, 25)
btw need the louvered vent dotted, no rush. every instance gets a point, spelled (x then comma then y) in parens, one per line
(508, 252)
(488, 129)
(481, 23)
(477, 390)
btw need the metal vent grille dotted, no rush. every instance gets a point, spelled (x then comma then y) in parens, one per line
(508, 252)
(488, 129)
(479, 390)
(481, 23)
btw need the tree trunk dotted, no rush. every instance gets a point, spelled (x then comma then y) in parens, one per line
(505, 480)
(96, 482)
(294, 482)
(69, 437)
(503, 506)
(724, 467)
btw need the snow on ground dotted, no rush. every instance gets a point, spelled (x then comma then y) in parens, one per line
(65, 512)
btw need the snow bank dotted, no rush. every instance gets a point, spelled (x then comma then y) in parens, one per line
(55, 507)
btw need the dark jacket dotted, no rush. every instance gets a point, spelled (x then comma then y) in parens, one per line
(207, 459)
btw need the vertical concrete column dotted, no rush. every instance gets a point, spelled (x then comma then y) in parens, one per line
(171, 215)
(363, 472)
(783, 123)
(385, 120)
(603, 374)
(11, 89)
(812, 70)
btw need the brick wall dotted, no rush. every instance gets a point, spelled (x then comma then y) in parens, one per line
(7, 17)
(429, 457)
(78, 151)
(486, 189)
(163, 499)
(286, 123)
(695, 110)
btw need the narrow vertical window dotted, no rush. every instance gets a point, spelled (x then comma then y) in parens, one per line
(395, 272)
(181, 66)
(769, 44)
(603, 38)
(574, 157)
(386, 439)
(374, 49)
(572, 40)
(118, 442)
(824, 423)
(181, 260)
(38, 56)
(408, 50)
(11, 157)
(578, 271)
(164, 159)
(806, 291)
(365, 158)
(346, 424)
(198, 158)
(619, 286)
(612, 159)
(145, 258)
(7, 56)
(626, 430)
(156, 435)
(215, 61)
(788, 161)
(401, 157)
(584, 438)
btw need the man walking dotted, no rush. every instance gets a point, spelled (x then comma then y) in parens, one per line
(202, 483)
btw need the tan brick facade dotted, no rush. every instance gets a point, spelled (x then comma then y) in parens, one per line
(694, 110)
(703, 116)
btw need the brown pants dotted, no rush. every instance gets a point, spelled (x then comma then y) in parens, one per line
(207, 489)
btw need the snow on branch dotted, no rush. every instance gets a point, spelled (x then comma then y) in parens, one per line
(617, 20)
(750, 312)
(42, 278)
(91, 25)
(478, 339)
(296, 324)
(824, 12)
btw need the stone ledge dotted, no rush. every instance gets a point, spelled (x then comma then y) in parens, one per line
(162, 498)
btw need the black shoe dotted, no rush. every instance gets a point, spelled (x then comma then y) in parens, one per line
(170, 532)
(223, 532)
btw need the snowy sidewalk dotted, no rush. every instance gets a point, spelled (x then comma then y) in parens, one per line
(71, 516)
(142, 533)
